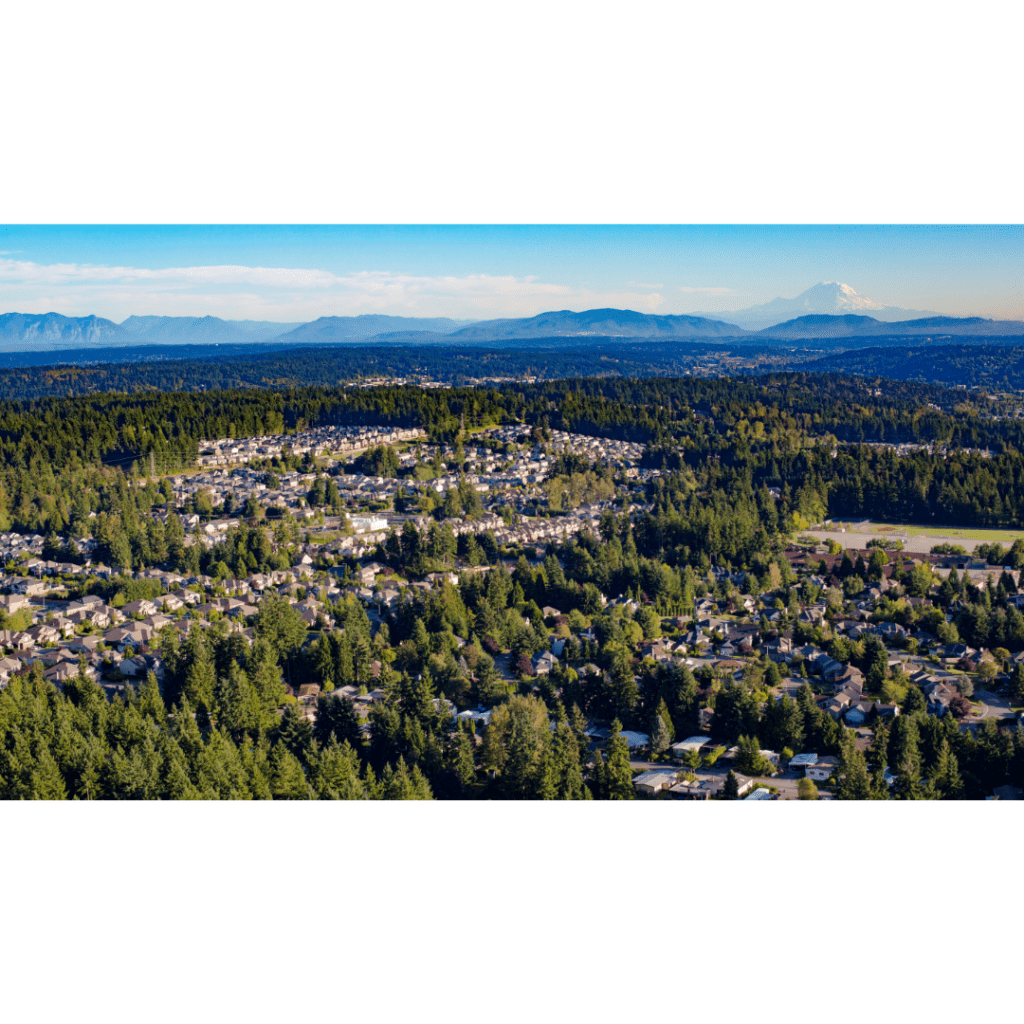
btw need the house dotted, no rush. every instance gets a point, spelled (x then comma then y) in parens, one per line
(8, 667)
(634, 740)
(64, 671)
(759, 794)
(828, 668)
(838, 705)
(858, 713)
(939, 693)
(850, 679)
(368, 573)
(11, 603)
(801, 762)
(655, 781)
(779, 649)
(743, 784)
(697, 789)
(1007, 793)
(141, 608)
(544, 662)
(822, 768)
(683, 747)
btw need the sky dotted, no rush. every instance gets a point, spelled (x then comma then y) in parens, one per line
(293, 274)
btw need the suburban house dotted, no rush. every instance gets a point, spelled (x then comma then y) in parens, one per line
(822, 768)
(655, 781)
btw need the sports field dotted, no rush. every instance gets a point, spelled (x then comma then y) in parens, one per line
(915, 538)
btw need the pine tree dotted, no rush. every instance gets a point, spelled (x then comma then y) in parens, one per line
(238, 703)
(660, 738)
(334, 773)
(618, 773)
(462, 761)
(908, 782)
(200, 677)
(946, 774)
(46, 782)
(731, 789)
(852, 774)
(599, 778)
(1017, 684)
(295, 732)
(287, 780)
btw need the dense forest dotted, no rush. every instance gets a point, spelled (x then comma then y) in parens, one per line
(211, 730)
(1000, 367)
(30, 375)
(61, 459)
(200, 368)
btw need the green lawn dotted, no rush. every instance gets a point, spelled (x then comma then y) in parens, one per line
(936, 530)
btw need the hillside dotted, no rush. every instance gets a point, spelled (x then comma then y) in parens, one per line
(620, 323)
(333, 330)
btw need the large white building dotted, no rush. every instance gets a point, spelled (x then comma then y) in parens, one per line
(368, 524)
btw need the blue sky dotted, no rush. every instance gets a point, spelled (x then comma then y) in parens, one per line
(299, 273)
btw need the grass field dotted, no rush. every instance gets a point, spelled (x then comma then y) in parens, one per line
(917, 538)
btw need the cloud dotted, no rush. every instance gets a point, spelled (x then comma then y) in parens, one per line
(290, 294)
(709, 291)
(640, 284)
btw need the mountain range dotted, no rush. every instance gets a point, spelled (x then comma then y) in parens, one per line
(829, 298)
(200, 330)
(849, 325)
(826, 311)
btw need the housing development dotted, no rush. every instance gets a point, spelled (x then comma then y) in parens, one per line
(509, 610)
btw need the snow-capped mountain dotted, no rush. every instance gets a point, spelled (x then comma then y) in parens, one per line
(829, 297)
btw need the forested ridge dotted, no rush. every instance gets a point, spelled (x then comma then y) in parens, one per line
(991, 362)
(62, 456)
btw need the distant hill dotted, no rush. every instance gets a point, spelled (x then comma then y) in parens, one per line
(606, 323)
(853, 326)
(201, 330)
(828, 297)
(334, 330)
(55, 331)
(999, 366)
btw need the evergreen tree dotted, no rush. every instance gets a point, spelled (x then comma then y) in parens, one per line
(295, 733)
(618, 773)
(852, 774)
(287, 780)
(946, 774)
(336, 719)
(660, 738)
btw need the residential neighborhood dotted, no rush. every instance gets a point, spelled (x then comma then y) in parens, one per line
(852, 639)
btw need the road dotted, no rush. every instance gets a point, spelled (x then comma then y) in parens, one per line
(991, 707)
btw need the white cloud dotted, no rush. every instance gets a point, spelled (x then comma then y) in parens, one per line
(640, 284)
(290, 294)
(708, 291)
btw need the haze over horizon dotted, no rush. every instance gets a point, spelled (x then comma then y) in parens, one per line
(298, 274)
